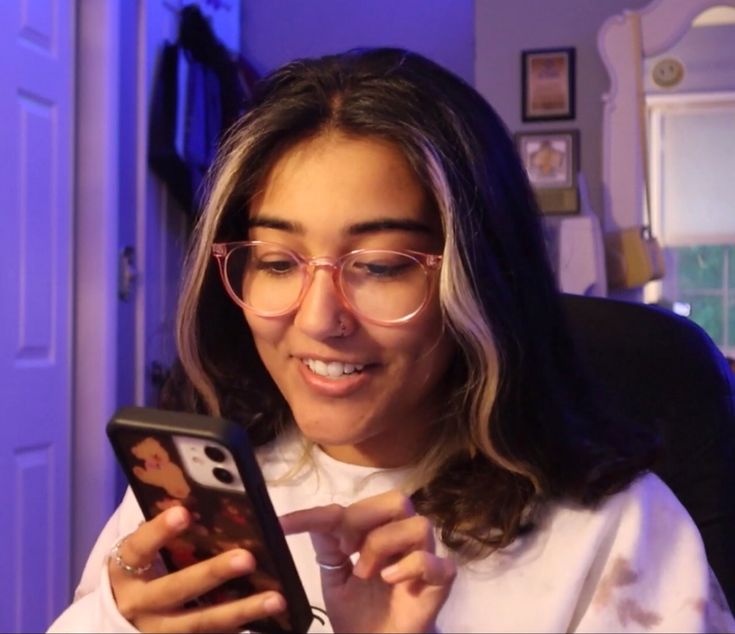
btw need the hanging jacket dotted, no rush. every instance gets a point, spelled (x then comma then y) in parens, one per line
(189, 119)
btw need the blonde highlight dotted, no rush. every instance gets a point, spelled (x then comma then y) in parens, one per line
(496, 454)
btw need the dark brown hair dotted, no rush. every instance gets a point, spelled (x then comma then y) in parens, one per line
(520, 426)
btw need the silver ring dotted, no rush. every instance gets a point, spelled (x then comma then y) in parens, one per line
(339, 566)
(126, 568)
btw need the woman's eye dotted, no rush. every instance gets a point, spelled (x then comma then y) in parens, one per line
(277, 266)
(382, 269)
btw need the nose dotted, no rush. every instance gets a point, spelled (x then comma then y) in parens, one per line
(321, 308)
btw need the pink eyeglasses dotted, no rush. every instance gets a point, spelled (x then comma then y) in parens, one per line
(381, 286)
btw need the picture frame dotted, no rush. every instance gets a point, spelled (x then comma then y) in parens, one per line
(548, 78)
(551, 161)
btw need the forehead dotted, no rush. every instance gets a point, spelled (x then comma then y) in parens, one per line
(334, 181)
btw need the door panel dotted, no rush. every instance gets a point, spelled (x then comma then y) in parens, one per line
(36, 163)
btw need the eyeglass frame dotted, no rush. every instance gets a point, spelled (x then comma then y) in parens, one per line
(429, 262)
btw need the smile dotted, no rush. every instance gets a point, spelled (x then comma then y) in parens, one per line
(332, 369)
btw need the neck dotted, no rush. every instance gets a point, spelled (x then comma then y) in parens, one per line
(364, 455)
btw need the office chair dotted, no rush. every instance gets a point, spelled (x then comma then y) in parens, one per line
(664, 370)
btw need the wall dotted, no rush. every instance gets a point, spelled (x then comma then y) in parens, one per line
(708, 55)
(276, 31)
(480, 40)
(504, 29)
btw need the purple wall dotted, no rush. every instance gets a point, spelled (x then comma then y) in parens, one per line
(480, 40)
(504, 29)
(276, 31)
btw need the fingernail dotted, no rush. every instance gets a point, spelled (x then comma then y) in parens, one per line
(274, 603)
(390, 572)
(240, 562)
(177, 517)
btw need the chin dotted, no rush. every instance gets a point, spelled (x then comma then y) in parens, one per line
(332, 428)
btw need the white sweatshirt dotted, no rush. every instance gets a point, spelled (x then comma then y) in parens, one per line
(636, 563)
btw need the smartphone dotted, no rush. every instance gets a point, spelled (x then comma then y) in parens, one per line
(207, 465)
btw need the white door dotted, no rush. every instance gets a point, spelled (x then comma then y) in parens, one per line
(36, 169)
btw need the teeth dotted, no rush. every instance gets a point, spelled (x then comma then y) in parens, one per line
(333, 369)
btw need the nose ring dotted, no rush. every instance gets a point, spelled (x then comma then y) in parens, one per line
(342, 328)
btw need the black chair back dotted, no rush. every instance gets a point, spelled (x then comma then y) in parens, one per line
(664, 370)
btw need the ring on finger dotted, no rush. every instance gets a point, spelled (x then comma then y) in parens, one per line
(134, 571)
(339, 566)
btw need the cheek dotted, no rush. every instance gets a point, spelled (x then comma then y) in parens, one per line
(266, 332)
(439, 345)
(429, 325)
(425, 342)
(436, 355)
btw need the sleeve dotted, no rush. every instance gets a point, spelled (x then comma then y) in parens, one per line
(93, 608)
(651, 572)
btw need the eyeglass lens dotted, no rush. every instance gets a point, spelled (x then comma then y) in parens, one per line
(379, 285)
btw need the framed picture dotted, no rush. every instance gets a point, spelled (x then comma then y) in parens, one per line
(548, 78)
(551, 160)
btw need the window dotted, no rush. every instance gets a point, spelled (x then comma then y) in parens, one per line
(704, 277)
(693, 203)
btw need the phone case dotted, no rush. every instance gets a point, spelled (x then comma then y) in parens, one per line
(207, 465)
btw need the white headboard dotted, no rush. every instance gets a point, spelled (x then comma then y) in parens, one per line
(663, 22)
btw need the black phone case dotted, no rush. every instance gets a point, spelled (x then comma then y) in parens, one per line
(143, 440)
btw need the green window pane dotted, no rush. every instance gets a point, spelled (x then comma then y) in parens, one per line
(731, 322)
(707, 312)
(731, 266)
(700, 267)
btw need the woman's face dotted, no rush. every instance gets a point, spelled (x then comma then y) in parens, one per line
(325, 197)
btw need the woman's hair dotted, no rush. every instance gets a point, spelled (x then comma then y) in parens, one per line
(520, 427)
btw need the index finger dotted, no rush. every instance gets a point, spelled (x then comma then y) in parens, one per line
(141, 547)
(319, 519)
(350, 524)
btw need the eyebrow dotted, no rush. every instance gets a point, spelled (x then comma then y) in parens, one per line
(269, 222)
(388, 224)
(358, 229)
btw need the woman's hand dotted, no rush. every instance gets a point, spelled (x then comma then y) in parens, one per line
(154, 603)
(398, 584)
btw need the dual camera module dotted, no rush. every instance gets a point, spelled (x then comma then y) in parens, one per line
(208, 463)
(217, 455)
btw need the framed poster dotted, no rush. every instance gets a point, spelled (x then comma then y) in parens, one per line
(551, 160)
(548, 79)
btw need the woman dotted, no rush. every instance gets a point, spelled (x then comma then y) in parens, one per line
(368, 291)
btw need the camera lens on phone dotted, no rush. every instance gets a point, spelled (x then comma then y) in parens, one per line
(217, 455)
(223, 475)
